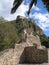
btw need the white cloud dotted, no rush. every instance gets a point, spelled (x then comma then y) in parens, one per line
(20, 11)
(43, 20)
(1, 7)
(5, 9)
(35, 8)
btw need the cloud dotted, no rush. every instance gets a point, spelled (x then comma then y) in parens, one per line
(20, 11)
(35, 8)
(6, 5)
(1, 8)
(5, 9)
(42, 19)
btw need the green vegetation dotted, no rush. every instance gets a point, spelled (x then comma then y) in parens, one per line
(44, 40)
(8, 35)
(11, 32)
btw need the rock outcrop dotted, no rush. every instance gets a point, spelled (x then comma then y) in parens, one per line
(22, 54)
(29, 50)
(29, 25)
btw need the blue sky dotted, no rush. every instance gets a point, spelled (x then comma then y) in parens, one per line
(38, 13)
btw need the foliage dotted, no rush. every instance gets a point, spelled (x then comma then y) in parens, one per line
(44, 40)
(17, 3)
(8, 35)
(11, 32)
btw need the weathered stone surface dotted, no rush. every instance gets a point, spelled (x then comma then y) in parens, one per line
(48, 55)
(28, 51)
(19, 55)
(34, 55)
(31, 39)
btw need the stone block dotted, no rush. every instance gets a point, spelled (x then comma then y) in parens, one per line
(34, 55)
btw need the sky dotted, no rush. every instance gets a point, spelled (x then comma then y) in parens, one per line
(38, 13)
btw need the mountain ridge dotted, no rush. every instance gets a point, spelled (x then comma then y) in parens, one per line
(12, 32)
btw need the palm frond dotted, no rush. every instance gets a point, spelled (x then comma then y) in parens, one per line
(16, 4)
(31, 4)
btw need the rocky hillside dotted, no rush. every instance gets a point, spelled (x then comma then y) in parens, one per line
(8, 34)
(28, 24)
(11, 32)
(31, 26)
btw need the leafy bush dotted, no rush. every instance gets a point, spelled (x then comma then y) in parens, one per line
(44, 40)
(8, 35)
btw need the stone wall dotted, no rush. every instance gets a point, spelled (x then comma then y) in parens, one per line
(48, 55)
(22, 53)
(34, 55)
(12, 56)
(33, 39)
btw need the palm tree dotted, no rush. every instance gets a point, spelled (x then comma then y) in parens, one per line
(17, 3)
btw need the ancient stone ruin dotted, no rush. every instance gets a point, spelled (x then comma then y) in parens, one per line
(29, 51)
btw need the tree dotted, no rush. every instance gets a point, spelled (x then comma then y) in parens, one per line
(17, 3)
